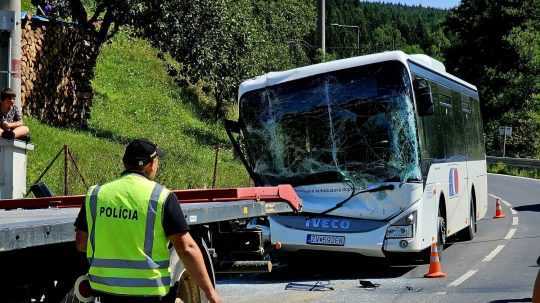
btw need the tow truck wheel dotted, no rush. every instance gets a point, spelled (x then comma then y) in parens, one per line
(186, 290)
(70, 298)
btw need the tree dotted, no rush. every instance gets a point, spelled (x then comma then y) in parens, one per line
(384, 27)
(106, 18)
(496, 46)
(223, 42)
(219, 42)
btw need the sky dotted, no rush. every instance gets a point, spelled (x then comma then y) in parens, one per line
(432, 3)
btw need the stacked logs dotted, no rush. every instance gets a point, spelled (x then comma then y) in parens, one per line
(57, 66)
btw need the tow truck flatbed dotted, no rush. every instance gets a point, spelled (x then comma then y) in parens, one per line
(34, 225)
(21, 228)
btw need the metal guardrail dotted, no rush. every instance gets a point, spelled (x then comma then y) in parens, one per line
(516, 162)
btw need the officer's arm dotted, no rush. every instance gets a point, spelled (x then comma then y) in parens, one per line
(15, 124)
(81, 238)
(536, 290)
(191, 256)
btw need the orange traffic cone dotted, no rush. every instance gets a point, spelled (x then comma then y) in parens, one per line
(435, 270)
(498, 210)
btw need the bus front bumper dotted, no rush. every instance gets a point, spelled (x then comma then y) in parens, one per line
(370, 243)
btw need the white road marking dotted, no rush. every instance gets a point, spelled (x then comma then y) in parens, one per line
(442, 293)
(514, 212)
(494, 196)
(506, 203)
(493, 253)
(510, 234)
(462, 279)
(503, 201)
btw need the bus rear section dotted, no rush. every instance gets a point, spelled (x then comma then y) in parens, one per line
(347, 135)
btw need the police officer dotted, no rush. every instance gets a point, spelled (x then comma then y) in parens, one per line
(125, 227)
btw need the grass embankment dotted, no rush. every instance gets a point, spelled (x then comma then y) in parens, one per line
(26, 5)
(501, 168)
(135, 98)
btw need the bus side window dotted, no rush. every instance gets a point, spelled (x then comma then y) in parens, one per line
(432, 128)
(469, 129)
(424, 97)
(447, 127)
(460, 138)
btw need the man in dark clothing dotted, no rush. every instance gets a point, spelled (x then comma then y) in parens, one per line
(11, 124)
(126, 245)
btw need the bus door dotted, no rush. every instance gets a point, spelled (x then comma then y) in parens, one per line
(453, 171)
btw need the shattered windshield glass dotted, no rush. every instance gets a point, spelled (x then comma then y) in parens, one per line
(355, 124)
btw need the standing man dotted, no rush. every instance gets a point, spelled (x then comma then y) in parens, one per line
(11, 124)
(536, 286)
(125, 227)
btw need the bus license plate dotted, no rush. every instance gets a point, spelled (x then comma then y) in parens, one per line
(325, 240)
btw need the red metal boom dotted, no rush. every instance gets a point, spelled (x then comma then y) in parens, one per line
(280, 193)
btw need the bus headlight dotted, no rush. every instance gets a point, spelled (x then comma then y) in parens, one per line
(402, 228)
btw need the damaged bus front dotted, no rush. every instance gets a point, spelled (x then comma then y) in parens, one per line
(345, 135)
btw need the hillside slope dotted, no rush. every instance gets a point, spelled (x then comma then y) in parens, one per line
(136, 98)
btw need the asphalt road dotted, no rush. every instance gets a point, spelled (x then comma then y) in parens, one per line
(498, 266)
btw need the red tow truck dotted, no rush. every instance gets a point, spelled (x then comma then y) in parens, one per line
(39, 262)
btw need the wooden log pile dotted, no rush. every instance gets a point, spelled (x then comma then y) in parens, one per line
(57, 66)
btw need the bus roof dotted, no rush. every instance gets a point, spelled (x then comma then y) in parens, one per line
(274, 78)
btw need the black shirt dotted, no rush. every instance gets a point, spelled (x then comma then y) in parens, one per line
(173, 222)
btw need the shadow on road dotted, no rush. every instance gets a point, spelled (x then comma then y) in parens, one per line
(530, 207)
(512, 300)
(309, 267)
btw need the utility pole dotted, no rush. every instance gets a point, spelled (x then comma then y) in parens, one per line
(357, 34)
(15, 38)
(358, 40)
(322, 27)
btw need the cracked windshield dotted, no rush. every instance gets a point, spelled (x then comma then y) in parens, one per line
(349, 125)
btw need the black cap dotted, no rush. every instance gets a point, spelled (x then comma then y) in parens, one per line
(140, 152)
(7, 92)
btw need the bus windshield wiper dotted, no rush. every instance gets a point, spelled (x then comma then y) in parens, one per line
(353, 194)
(408, 180)
(317, 178)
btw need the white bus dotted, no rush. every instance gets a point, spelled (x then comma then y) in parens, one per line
(385, 150)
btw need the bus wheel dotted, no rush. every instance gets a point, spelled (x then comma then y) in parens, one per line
(441, 233)
(468, 233)
(425, 255)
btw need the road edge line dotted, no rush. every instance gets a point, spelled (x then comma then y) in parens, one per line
(510, 233)
(493, 253)
(463, 278)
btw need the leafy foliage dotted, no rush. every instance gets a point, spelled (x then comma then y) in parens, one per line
(497, 46)
(218, 42)
(384, 27)
(223, 42)
(26, 5)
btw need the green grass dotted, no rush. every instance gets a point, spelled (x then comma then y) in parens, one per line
(136, 98)
(26, 5)
(501, 168)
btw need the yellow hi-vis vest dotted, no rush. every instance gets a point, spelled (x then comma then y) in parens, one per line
(127, 246)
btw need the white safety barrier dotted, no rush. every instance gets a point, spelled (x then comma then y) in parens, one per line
(13, 168)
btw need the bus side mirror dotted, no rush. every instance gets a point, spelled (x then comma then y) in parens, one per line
(424, 98)
(232, 126)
